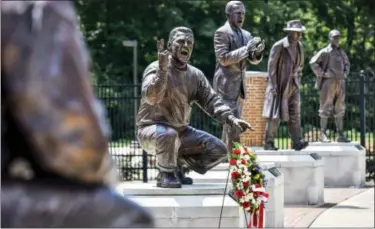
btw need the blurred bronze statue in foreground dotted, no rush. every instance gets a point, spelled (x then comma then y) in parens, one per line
(56, 171)
(282, 99)
(234, 47)
(170, 87)
(331, 67)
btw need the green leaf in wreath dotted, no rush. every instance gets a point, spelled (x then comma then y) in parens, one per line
(236, 145)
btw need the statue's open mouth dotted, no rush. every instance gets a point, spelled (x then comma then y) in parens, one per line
(240, 21)
(184, 52)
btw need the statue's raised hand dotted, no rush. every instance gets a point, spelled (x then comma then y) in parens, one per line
(162, 55)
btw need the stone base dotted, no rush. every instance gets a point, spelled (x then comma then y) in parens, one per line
(303, 172)
(275, 187)
(197, 205)
(344, 163)
(220, 174)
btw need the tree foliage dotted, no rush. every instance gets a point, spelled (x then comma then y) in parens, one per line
(106, 24)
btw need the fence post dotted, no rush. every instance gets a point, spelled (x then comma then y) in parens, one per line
(145, 166)
(362, 108)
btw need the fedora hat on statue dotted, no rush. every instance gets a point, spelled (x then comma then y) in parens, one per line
(294, 25)
(333, 33)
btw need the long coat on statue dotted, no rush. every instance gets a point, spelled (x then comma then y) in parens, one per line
(284, 72)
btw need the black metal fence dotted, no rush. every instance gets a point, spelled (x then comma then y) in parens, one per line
(135, 164)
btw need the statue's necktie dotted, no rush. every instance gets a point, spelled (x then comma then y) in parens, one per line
(239, 33)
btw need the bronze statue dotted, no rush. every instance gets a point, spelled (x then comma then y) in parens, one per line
(170, 87)
(331, 67)
(234, 47)
(282, 98)
(56, 170)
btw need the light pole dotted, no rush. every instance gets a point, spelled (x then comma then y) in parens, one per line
(134, 44)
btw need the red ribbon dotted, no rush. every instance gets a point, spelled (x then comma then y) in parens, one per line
(258, 218)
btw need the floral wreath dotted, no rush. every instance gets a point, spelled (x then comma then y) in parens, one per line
(249, 183)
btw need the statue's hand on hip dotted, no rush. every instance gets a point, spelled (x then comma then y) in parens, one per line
(326, 75)
(274, 90)
(163, 55)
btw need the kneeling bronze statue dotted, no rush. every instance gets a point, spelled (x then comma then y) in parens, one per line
(170, 87)
(56, 170)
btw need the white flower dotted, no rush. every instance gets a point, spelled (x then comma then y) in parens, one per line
(245, 178)
(247, 172)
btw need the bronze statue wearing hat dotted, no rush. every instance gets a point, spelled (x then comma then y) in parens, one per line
(282, 97)
(170, 87)
(234, 47)
(331, 66)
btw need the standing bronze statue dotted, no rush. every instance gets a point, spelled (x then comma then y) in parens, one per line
(282, 98)
(234, 47)
(170, 87)
(331, 67)
(56, 170)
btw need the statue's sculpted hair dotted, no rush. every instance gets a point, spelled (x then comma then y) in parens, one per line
(176, 30)
(232, 4)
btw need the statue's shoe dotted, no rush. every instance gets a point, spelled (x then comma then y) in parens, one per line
(184, 179)
(270, 146)
(168, 180)
(342, 138)
(300, 145)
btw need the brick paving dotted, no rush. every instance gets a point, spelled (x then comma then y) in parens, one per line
(304, 216)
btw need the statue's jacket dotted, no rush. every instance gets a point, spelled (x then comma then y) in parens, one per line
(231, 57)
(169, 101)
(329, 63)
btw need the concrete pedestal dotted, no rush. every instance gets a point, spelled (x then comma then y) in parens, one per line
(344, 163)
(303, 175)
(196, 205)
(275, 187)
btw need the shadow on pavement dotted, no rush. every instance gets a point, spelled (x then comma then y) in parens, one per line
(349, 207)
